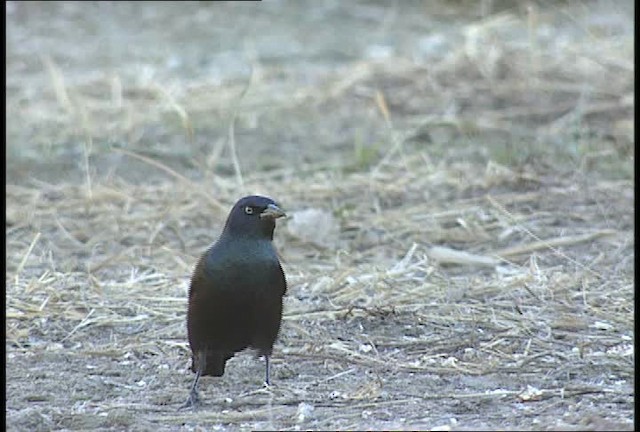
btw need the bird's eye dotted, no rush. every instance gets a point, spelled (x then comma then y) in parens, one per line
(248, 210)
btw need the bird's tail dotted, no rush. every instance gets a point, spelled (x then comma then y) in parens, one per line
(214, 362)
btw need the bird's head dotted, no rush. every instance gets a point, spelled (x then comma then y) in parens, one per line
(253, 216)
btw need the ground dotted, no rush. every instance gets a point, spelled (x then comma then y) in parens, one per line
(459, 182)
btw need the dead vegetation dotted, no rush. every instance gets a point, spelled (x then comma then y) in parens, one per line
(476, 271)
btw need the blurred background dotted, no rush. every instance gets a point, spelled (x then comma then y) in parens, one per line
(312, 85)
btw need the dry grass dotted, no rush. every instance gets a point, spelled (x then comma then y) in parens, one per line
(117, 264)
(488, 280)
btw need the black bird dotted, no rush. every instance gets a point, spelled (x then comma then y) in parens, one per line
(235, 297)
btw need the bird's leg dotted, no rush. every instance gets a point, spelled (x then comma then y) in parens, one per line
(193, 394)
(267, 368)
(193, 399)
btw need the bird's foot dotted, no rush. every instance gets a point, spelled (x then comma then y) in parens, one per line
(268, 388)
(193, 401)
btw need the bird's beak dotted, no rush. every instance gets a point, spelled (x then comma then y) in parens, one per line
(273, 212)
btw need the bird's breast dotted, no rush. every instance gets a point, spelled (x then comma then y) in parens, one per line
(243, 266)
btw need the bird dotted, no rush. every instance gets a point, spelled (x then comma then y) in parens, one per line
(236, 292)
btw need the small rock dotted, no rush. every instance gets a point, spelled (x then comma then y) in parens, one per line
(314, 226)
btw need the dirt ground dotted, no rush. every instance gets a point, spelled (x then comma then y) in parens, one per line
(459, 181)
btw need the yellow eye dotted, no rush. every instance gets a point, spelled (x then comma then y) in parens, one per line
(248, 210)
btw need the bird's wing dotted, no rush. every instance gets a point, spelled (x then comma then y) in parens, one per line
(283, 280)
